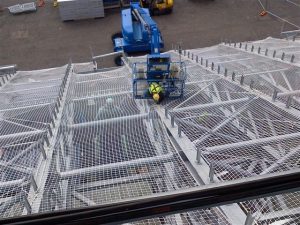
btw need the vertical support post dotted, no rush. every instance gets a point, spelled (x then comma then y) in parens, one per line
(282, 56)
(172, 121)
(251, 84)
(188, 54)
(274, 96)
(56, 107)
(225, 72)
(184, 52)
(266, 52)
(242, 80)
(50, 130)
(47, 140)
(274, 53)
(179, 129)
(240, 44)
(233, 76)
(212, 66)
(219, 69)
(58, 101)
(52, 122)
(27, 204)
(252, 48)
(211, 172)
(206, 63)
(235, 44)
(192, 56)
(55, 114)
(201, 61)
(32, 181)
(249, 219)
(258, 51)
(43, 151)
(199, 155)
(197, 59)
(289, 102)
(166, 113)
(292, 58)
(246, 47)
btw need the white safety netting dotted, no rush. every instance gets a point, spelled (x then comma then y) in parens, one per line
(75, 137)
(236, 126)
(27, 104)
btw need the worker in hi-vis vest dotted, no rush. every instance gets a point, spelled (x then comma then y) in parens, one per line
(156, 91)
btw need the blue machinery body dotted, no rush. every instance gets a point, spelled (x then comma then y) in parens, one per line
(136, 24)
(140, 33)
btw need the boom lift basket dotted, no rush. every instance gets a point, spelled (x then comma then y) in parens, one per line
(172, 80)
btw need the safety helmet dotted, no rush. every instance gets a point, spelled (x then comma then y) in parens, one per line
(156, 97)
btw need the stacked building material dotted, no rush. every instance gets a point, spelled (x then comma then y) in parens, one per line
(22, 8)
(80, 9)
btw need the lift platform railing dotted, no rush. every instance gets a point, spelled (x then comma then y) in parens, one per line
(172, 80)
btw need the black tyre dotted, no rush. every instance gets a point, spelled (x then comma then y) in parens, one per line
(116, 35)
(170, 11)
(119, 61)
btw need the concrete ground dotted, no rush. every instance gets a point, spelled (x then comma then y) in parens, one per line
(41, 40)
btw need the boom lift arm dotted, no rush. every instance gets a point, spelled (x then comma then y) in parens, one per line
(140, 30)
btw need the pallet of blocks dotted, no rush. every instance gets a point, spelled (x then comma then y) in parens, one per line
(80, 9)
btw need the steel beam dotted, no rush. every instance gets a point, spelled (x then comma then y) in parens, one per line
(12, 183)
(216, 104)
(288, 93)
(121, 180)
(255, 142)
(101, 96)
(99, 79)
(235, 60)
(8, 67)
(274, 133)
(16, 168)
(106, 55)
(199, 169)
(198, 92)
(28, 149)
(17, 136)
(11, 201)
(118, 165)
(225, 122)
(252, 121)
(228, 137)
(281, 160)
(232, 169)
(29, 89)
(109, 121)
(43, 167)
(83, 199)
(292, 32)
(180, 201)
(279, 214)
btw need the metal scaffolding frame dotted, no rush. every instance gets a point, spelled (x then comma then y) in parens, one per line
(89, 142)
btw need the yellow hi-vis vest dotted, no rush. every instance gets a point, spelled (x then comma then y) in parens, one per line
(155, 88)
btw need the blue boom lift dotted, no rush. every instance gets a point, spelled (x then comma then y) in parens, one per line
(140, 32)
(136, 24)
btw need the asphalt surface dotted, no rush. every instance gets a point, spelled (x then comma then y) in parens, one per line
(41, 40)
